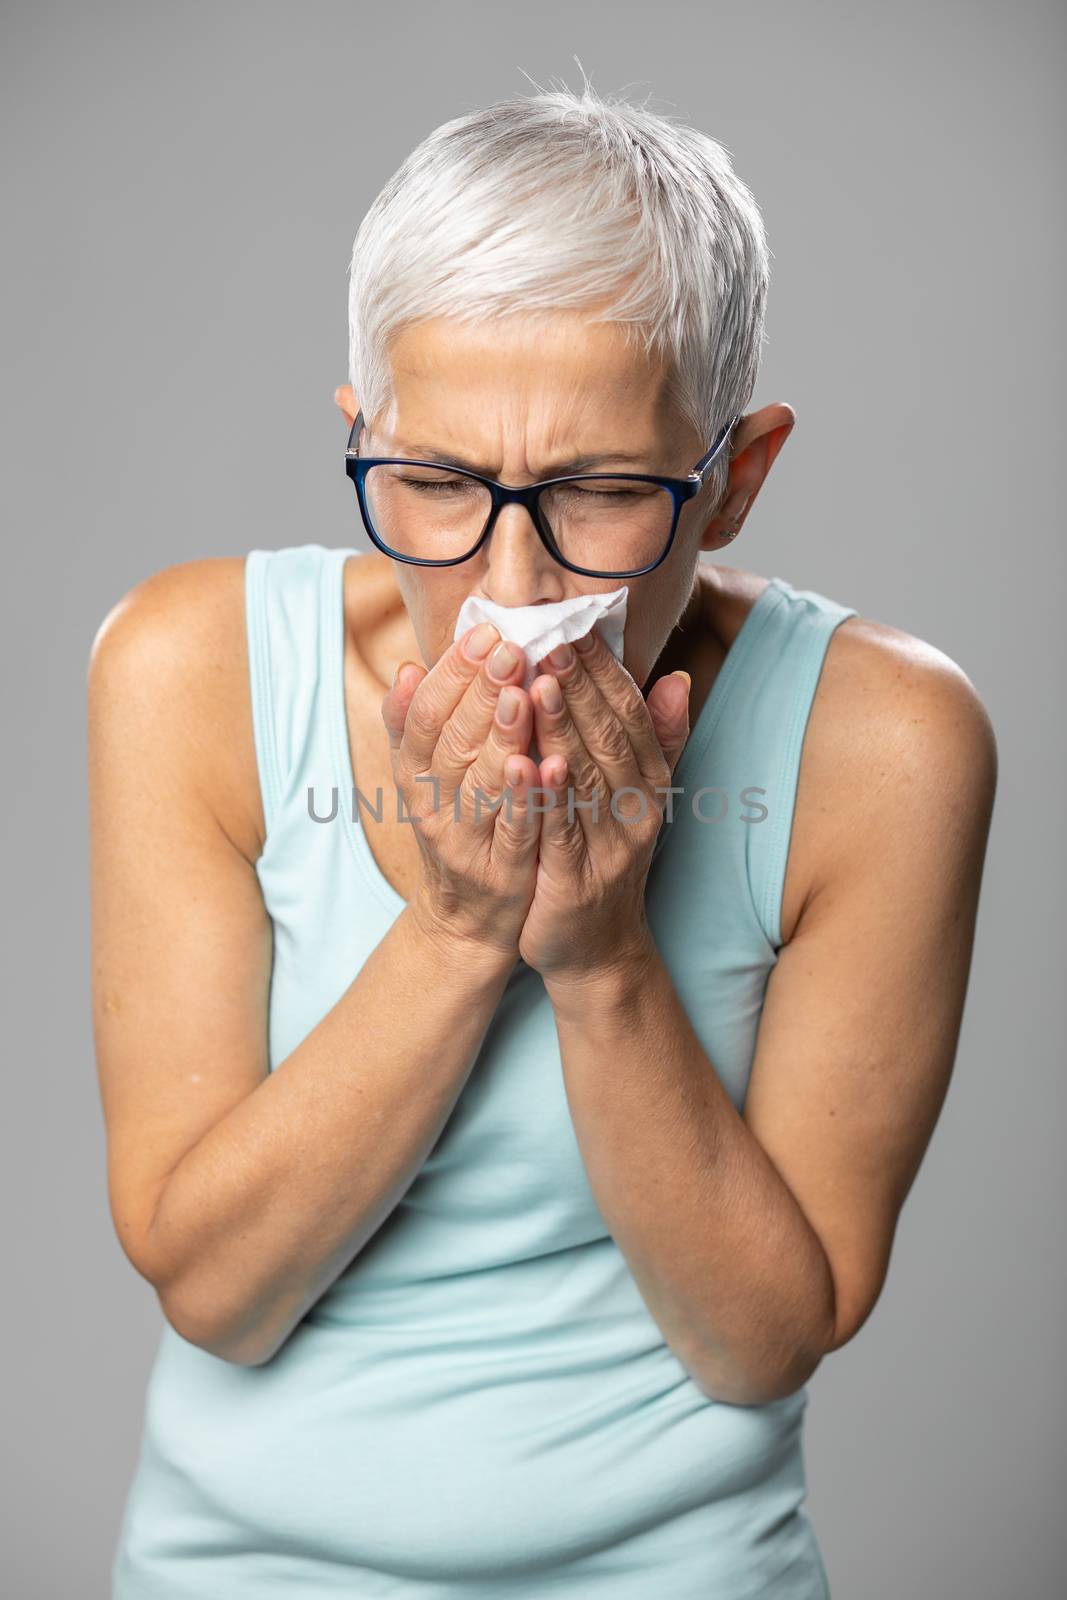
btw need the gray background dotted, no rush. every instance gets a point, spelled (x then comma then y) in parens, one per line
(181, 187)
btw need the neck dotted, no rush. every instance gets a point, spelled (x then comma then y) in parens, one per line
(684, 638)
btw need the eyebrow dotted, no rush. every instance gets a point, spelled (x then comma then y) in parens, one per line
(559, 469)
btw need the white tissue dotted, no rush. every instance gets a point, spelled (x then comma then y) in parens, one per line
(539, 629)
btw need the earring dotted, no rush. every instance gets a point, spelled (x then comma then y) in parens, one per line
(731, 533)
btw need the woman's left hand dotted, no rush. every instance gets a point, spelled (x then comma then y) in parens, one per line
(588, 911)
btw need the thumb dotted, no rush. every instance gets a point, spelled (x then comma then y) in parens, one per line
(668, 706)
(394, 707)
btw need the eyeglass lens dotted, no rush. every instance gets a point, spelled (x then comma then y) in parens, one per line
(431, 513)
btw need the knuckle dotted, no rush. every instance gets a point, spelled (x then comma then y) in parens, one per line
(660, 779)
(612, 739)
(480, 789)
(484, 692)
(633, 702)
(421, 719)
(571, 844)
(587, 776)
(455, 745)
(468, 680)
(632, 809)
(500, 743)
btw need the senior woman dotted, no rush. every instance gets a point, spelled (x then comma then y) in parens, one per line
(507, 1159)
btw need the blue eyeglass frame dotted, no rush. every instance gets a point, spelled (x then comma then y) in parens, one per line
(503, 494)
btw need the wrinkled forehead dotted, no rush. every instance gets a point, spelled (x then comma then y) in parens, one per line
(522, 387)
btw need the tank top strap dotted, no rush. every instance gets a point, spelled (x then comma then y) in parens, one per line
(290, 599)
(758, 743)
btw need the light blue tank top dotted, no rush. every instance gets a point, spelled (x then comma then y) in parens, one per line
(482, 1405)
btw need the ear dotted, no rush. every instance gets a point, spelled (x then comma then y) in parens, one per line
(347, 402)
(761, 436)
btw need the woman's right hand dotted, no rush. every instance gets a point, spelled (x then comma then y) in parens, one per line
(478, 871)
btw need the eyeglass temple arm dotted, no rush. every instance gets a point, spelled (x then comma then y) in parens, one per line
(705, 461)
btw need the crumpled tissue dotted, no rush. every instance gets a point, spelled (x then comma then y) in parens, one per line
(539, 629)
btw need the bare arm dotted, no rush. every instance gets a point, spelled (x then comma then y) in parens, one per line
(238, 1193)
(274, 1201)
(761, 1241)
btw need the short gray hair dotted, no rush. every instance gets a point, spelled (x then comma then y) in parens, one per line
(560, 200)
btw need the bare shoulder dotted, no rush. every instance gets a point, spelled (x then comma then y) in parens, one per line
(170, 660)
(898, 738)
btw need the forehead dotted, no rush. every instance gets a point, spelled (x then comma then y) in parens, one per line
(530, 371)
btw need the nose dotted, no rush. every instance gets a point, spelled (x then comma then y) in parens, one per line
(518, 569)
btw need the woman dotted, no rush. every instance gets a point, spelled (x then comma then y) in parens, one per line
(505, 1167)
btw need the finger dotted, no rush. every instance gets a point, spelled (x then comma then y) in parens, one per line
(563, 835)
(615, 688)
(394, 708)
(596, 726)
(517, 824)
(668, 706)
(476, 720)
(483, 783)
(557, 736)
(437, 696)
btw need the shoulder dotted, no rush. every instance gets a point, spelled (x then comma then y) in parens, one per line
(899, 743)
(893, 706)
(180, 606)
(168, 666)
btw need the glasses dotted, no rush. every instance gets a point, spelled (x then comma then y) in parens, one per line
(601, 524)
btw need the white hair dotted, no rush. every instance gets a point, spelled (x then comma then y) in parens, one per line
(555, 201)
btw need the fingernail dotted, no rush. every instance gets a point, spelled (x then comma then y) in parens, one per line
(502, 661)
(481, 641)
(508, 705)
(551, 695)
(586, 642)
